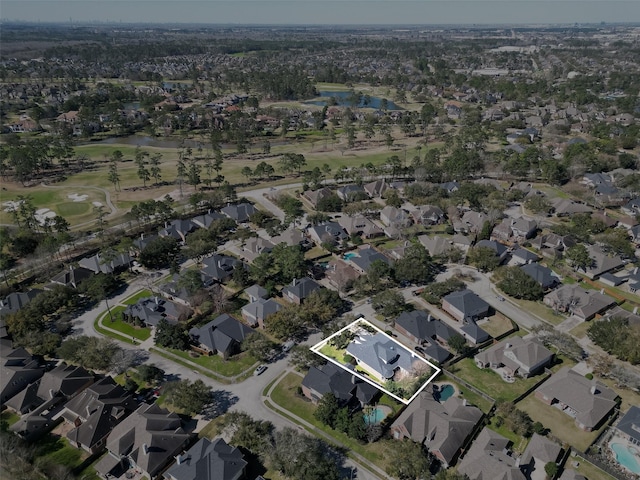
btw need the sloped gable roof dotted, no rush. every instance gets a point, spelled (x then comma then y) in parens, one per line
(209, 460)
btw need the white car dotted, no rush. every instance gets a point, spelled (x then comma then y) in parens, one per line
(260, 369)
(288, 346)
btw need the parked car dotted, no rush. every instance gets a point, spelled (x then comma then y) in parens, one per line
(288, 346)
(260, 369)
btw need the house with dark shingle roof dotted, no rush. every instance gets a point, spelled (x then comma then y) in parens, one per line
(218, 268)
(538, 453)
(490, 458)
(205, 220)
(346, 387)
(601, 262)
(222, 335)
(474, 334)
(349, 193)
(178, 229)
(465, 306)
(515, 356)
(239, 212)
(17, 300)
(209, 460)
(148, 440)
(314, 196)
(151, 310)
(522, 256)
(299, 289)
(327, 232)
(573, 299)
(72, 277)
(98, 263)
(442, 427)
(629, 425)
(587, 401)
(255, 313)
(360, 225)
(542, 275)
(18, 369)
(499, 249)
(365, 257)
(95, 412)
(420, 326)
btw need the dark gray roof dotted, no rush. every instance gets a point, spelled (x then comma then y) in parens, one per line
(330, 378)
(436, 352)
(72, 277)
(209, 460)
(262, 308)
(17, 300)
(331, 229)
(205, 221)
(98, 263)
(630, 423)
(301, 288)
(151, 310)
(474, 332)
(142, 242)
(221, 333)
(218, 267)
(543, 275)
(470, 304)
(366, 256)
(497, 247)
(423, 326)
(240, 212)
(525, 254)
(489, 459)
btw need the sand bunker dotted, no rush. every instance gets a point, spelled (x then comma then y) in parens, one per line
(97, 204)
(43, 214)
(77, 198)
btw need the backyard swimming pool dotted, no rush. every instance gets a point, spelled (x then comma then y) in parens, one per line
(350, 255)
(442, 392)
(376, 415)
(626, 457)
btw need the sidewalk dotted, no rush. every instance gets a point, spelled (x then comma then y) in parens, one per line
(362, 462)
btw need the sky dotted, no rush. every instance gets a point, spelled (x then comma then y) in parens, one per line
(324, 12)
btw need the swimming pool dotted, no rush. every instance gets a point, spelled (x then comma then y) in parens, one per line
(626, 457)
(446, 392)
(350, 255)
(375, 416)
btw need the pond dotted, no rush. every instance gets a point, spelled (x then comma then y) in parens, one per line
(342, 99)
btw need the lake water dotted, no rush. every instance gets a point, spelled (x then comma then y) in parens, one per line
(342, 100)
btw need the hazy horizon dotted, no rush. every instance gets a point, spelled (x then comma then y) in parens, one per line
(323, 12)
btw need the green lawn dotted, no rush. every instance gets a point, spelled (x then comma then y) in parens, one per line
(227, 368)
(497, 325)
(379, 453)
(109, 333)
(581, 330)
(57, 450)
(561, 425)
(519, 443)
(125, 328)
(489, 382)
(588, 469)
(472, 397)
(541, 310)
(133, 299)
(8, 418)
(70, 209)
(332, 352)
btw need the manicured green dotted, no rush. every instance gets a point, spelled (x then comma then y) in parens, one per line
(70, 209)
(236, 365)
(489, 382)
(109, 333)
(128, 330)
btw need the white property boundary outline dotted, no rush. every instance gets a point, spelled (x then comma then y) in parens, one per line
(316, 349)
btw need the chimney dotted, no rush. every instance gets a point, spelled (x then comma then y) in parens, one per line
(593, 390)
(464, 402)
(294, 282)
(508, 345)
(145, 448)
(180, 459)
(635, 310)
(156, 300)
(142, 236)
(602, 291)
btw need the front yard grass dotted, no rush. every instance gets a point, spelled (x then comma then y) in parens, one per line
(581, 330)
(489, 382)
(380, 453)
(227, 368)
(496, 325)
(561, 425)
(339, 355)
(133, 299)
(128, 330)
(540, 310)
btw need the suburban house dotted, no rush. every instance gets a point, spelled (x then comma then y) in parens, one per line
(254, 292)
(218, 268)
(380, 356)
(18, 370)
(72, 277)
(327, 232)
(538, 453)
(490, 458)
(346, 387)
(499, 249)
(515, 356)
(150, 311)
(255, 313)
(361, 226)
(350, 193)
(601, 262)
(209, 460)
(471, 222)
(174, 290)
(254, 247)
(365, 256)
(522, 256)
(570, 474)
(442, 427)
(142, 242)
(428, 215)
(542, 275)
(178, 229)
(573, 299)
(632, 207)
(95, 412)
(420, 326)
(438, 245)
(465, 306)
(396, 217)
(98, 263)
(587, 401)
(514, 230)
(205, 220)
(339, 274)
(57, 385)
(552, 245)
(222, 335)
(376, 188)
(299, 289)
(564, 207)
(239, 212)
(290, 237)
(474, 334)
(315, 196)
(147, 440)
(17, 300)
(628, 427)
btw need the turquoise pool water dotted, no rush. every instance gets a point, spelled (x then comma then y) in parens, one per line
(350, 255)
(375, 416)
(446, 391)
(626, 457)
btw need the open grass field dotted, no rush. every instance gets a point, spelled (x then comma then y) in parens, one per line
(561, 425)
(489, 382)
(379, 453)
